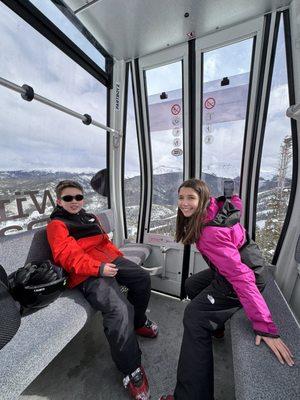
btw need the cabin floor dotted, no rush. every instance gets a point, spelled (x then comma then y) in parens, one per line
(84, 369)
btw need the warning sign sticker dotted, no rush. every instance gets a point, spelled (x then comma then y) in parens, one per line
(175, 109)
(209, 103)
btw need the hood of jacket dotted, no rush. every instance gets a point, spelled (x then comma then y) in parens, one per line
(222, 212)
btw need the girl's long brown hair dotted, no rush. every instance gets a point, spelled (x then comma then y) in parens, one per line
(188, 229)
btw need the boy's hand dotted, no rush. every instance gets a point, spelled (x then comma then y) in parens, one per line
(109, 270)
(279, 348)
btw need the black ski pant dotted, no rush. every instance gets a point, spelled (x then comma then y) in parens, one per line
(121, 315)
(213, 301)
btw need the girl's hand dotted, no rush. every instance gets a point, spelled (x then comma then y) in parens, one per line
(279, 348)
(109, 270)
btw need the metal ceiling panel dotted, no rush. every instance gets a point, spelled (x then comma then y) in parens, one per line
(133, 28)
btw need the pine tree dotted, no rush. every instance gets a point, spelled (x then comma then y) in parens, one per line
(268, 236)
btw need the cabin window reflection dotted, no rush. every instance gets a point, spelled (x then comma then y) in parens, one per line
(275, 176)
(226, 75)
(132, 172)
(39, 145)
(52, 12)
(165, 108)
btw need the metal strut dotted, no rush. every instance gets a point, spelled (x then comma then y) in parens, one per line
(28, 94)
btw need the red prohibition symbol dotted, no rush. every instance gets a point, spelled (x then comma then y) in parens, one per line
(175, 109)
(209, 103)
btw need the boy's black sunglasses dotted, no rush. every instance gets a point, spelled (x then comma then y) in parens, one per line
(68, 197)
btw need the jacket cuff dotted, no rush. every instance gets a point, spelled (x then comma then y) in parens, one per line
(271, 335)
(101, 268)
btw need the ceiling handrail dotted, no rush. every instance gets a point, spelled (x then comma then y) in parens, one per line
(28, 94)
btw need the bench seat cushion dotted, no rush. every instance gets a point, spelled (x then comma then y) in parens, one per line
(41, 336)
(257, 373)
(136, 252)
(14, 250)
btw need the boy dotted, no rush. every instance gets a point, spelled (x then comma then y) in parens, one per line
(96, 267)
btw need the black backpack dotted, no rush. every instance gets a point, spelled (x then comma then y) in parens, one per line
(10, 317)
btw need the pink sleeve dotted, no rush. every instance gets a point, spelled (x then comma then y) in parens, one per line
(217, 246)
(237, 202)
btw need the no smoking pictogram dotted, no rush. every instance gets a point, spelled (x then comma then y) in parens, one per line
(210, 103)
(175, 109)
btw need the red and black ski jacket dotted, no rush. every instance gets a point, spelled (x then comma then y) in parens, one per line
(79, 244)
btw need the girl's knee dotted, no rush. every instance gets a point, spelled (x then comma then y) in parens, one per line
(194, 316)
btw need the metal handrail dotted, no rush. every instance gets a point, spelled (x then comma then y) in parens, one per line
(28, 94)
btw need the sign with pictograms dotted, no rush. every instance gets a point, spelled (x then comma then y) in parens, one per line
(175, 109)
(176, 120)
(177, 152)
(177, 142)
(210, 103)
(176, 132)
(208, 139)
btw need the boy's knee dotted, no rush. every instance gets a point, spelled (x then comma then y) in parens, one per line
(145, 279)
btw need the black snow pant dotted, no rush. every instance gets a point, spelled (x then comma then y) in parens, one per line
(121, 315)
(213, 301)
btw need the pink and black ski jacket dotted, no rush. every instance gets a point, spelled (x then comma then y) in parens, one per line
(220, 245)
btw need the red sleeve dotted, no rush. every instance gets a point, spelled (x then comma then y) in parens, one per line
(67, 253)
(217, 245)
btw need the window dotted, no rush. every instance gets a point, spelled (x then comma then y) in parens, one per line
(165, 106)
(39, 145)
(275, 176)
(62, 22)
(132, 172)
(226, 74)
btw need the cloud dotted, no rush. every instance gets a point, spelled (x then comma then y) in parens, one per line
(33, 135)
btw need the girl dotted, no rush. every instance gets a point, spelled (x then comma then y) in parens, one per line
(219, 291)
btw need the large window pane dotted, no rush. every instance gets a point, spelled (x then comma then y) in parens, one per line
(164, 89)
(276, 165)
(226, 73)
(39, 146)
(132, 185)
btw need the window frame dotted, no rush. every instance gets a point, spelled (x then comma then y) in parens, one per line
(248, 30)
(35, 18)
(292, 100)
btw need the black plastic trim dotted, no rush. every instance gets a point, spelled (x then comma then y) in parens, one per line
(255, 128)
(247, 110)
(192, 106)
(148, 184)
(136, 111)
(108, 98)
(265, 117)
(27, 11)
(185, 269)
(201, 117)
(144, 167)
(294, 134)
(67, 11)
(124, 145)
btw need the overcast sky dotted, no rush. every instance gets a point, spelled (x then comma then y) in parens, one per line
(34, 136)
